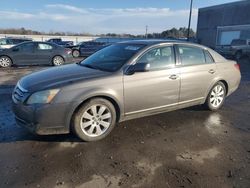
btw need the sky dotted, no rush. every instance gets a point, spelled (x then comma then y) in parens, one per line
(100, 16)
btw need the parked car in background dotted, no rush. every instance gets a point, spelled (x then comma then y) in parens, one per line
(60, 42)
(121, 82)
(237, 49)
(31, 53)
(85, 49)
(9, 42)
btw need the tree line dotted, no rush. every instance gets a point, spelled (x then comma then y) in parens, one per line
(182, 32)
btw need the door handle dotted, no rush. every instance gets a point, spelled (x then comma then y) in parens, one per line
(173, 77)
(211, 71)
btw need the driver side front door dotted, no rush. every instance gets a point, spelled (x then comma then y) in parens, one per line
(24, 54)
(156, 89)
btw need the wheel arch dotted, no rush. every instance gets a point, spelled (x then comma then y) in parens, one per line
(108, 98)
(212, 85)
(12, 62)
(55, 56)
(225, 84)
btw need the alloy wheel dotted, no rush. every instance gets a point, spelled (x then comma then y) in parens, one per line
(5, 62)
(76, 53)
(217, 96)
(58, 60)
(96, 120)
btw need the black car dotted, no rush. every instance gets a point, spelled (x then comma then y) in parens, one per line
(85, 49)
(30, 53)
(60, 42)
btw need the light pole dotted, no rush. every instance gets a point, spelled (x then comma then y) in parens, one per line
(190, 18)
(146, 35)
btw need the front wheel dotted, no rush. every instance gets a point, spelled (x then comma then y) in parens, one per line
(5, 61)
(216, 97)
(94, 120)
(57, 60)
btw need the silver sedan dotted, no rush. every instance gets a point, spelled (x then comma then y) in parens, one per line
(123, 81)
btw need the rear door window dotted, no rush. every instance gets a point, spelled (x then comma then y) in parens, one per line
(190, 55)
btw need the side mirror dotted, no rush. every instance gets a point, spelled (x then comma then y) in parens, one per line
(138, 67)
(15, 49)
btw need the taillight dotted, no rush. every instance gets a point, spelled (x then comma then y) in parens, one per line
(237, 66)
(68, 51)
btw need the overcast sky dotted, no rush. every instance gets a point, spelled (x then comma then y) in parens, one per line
(100, 16)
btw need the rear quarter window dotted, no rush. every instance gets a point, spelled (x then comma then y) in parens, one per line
(216, 56)
(208, 57)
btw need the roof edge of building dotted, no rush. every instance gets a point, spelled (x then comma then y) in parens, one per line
(242, 2)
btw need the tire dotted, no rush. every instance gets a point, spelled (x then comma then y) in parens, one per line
(90, 127)
(57, 60)
(75, 53)
(238, 55)
(216, 97)
(5, 61)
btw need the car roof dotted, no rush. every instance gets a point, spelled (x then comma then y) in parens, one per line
(19, 38)
(50, 43)
(150, 42)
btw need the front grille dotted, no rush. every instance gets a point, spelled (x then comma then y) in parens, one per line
(19, 93)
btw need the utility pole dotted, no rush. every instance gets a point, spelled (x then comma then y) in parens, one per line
(190, 18)
(146, 35)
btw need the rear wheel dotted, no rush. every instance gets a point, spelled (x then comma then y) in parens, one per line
(94, 120)
(58, 60)
(5, 61)
(76, 53)
(216, 97)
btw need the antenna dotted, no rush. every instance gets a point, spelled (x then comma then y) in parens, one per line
(146, 35)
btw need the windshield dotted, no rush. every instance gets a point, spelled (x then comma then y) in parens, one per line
(113, 57)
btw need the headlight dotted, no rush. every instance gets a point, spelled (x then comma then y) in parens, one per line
(42, 97)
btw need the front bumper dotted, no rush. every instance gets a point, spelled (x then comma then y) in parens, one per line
(42, 119)
(68, 59)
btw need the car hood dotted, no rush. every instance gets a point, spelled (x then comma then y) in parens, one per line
(59, 76)
(2, 49)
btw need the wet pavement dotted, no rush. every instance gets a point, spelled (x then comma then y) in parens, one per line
(185, 148)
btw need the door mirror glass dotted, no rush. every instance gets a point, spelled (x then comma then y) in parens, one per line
(139, 67)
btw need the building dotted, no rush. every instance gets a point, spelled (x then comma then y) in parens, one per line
(220, 24)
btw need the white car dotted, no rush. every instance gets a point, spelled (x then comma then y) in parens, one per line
(9, 42)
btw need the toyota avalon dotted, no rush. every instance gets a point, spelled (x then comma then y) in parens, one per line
(120, 82)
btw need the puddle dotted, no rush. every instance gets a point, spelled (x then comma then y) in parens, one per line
(148, 169)
(101, 181)
(214, 124)
(68, 144)
(199, 156)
